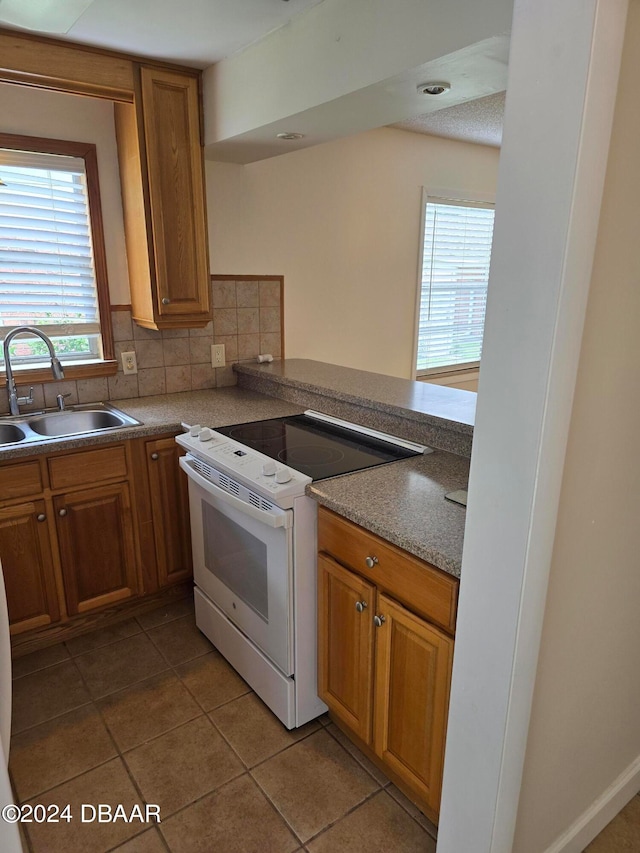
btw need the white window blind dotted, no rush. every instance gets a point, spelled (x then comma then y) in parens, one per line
(47, 276)
(453, 293)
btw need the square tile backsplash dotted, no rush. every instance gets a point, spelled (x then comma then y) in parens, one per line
(247, 319)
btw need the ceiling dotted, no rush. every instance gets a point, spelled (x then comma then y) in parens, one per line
(201, 33)
(479, 121)
(188, 32)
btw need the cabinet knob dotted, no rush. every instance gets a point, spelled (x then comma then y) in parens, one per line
(166, 301)
(62, 512)
(41, 516)
(371, 561)
(360, 606)
(378, 621)
(155, 456)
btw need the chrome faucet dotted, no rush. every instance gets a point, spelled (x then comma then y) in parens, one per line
(56, 368)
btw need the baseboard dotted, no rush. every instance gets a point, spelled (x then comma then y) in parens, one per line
(601, 812)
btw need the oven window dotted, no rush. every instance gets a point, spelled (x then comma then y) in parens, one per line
(236, 558)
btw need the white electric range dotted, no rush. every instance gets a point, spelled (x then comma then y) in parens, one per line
(254, 542)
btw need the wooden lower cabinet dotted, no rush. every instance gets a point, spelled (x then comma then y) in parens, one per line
(345, 652)
(169, 497)
(27, 563)
(97, 548)
(383, 670)
(411, 698)
(70, 540)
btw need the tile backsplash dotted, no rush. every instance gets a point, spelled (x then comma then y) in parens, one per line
(247, 319)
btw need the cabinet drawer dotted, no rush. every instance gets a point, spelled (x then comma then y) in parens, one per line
(420, 587)
(88, 467)
(20, 480)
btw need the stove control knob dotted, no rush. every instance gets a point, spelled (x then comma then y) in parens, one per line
(205, 434)
(195, 430)
(268, 469)
(283, 475)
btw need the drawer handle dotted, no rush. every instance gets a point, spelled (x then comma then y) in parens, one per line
(41, 517)
(360, 606)
(155, 456)
(166, 301)
(62, 513)
(371, 561)
(378, 621)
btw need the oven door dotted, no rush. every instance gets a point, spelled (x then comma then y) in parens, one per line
(243, 561)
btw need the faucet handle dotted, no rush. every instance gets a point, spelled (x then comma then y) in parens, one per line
(28, 400)
(60, 398)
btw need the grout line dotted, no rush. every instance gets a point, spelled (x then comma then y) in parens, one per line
(275, 807)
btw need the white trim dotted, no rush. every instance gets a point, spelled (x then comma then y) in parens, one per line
(548, 202)
(460, 196)
(418, 294)
(592, 821)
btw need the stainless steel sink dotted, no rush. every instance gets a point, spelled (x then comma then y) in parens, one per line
(79, 420)
(10, 434)
(71, 422)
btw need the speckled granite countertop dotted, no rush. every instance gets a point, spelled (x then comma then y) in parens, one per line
(404, 503)
(164, 413)
(414, 400)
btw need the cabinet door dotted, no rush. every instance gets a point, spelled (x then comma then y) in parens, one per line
(171, 113)
(25, 552)
(345, 645)
(170, 509)
(412, 682)
(97, 552)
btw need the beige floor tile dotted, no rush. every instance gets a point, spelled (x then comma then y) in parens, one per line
(46, 694)
(234, 819)
(212, 680)
(183, 765)
(314, 783)
(378, 824)
(180, 640)
(359, 756)
(148, 709)
(622, 834)
(53, 752)
(39, 660)
(119, 665)
(162, 615)
(148, 842)
(413, 810)
(253, 731)
(109, 784)
(102, 637)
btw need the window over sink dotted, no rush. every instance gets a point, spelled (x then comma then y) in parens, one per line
(52, 256)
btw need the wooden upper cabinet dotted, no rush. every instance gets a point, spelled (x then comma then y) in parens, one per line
(162, 176)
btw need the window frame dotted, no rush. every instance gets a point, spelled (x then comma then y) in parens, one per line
(86, 151)
(460, 198)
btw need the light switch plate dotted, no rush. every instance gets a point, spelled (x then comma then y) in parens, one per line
(217, 355)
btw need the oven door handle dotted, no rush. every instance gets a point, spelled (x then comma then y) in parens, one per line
(283, 519)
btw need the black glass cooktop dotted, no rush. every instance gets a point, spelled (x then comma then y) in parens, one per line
(315, 448)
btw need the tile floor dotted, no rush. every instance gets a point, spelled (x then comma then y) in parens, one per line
(147, 711)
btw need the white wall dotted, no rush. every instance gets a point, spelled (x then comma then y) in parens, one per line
(39, 112)
(585, 725)
(341, 222)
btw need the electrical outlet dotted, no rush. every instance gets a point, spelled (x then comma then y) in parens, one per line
(129, 363)
(217, 355)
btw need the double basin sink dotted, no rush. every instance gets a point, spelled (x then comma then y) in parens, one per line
(79, 420)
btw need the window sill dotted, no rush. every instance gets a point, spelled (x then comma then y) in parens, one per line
(88, 370)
